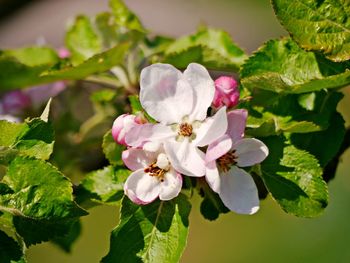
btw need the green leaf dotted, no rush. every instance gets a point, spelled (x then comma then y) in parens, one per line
(272, 114)
(10, 132)
(66, 242)
(211, 206)
(82, 41)
(153, 233)
(317, 25)
(10, 251)
(104, 185)
(33, 138)
(112, 150)
(277, 65)
(210, 47)
(124, 17)
(42, 198)
(307, 101)
(294, 178)
(97, 64)
(22, 67)
(324, 144)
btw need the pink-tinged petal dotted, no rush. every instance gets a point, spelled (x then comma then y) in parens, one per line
(218, 148)
(140, 134)
(211, 129)
(134, 198)
(171, 186)
(203, 86)
(185, 158)
(250, 151)
(238, 191)
(212, 176)
(237, 120)
(142, 186)
(136, 159)
(164, 94)
(122, 125)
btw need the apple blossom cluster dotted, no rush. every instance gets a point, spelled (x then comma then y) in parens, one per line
(186, 140)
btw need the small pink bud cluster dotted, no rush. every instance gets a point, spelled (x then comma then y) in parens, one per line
(226, 92)
(14, 102)
(123, 124)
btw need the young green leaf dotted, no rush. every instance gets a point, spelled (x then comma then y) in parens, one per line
(107, 29)
(277, 65)
(14, 74)
(104, 185)
(153, 233)
(294, 178)
(210, 47)
(82, 40)
(112, 150)
(124, 17)
(317, 25)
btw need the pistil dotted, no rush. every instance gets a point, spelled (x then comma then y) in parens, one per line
(226, 161)
(185, 129)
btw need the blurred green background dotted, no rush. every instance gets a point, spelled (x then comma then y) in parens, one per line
(270, 235)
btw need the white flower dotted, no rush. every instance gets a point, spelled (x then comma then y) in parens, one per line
(235, 186)
(153, 176)
(179, 102)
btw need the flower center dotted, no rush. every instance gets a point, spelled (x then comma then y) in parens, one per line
(154, 170)
(226, 161)
(185, 129)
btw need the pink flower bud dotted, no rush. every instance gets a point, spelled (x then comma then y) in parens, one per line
(63, 53)
(122, 125)
(226, 92)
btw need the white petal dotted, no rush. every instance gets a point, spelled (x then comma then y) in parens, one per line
(148, 132)
(204, 88)
(185, 158)
(212, 176)
(237, 120)
(136, 159)
(238, 191)
(211, 129)
(171, 186)
(151, 146)
(250, 151)
(218, 148)
(164, 94)
(144, 187)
